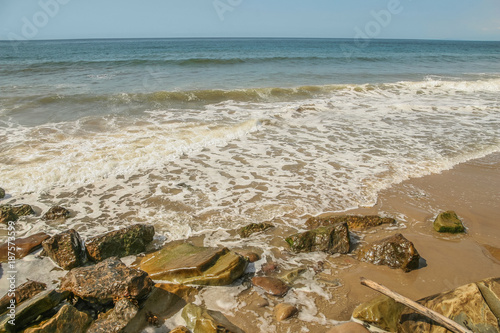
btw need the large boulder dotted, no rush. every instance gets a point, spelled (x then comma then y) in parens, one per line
(331, 239)
(106, 281)
(67, 319)
(56, 213)
(30, 309)
(448, 222)
(354, 222)
(23, 292)
(201, 320)
(394, 251)
(184, 263)
(381, 311)
(254, 228)
(13, 212)
(65, 249)
(24, 246)
(120, 243)
(465, 305)
(116, 319)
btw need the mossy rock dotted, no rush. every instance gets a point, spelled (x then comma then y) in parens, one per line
(332, 239)
(381, 311)
(448, 222)
(253, 228)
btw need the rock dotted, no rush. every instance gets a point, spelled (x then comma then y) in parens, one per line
(25, 291)
(354, 222)
(116, 319)
(490, 289)
(348, 328)
(65, 249)
(24, 246)
(187, 293)
(284, 311)
(382, 311)
(448, 222)
(180, 329)
(12, 213)
(202, 320)
(56, 213)
(465, 305)
(106, 281)
(269, 267)
(2, 193)
(67, 319)
(120, 243)
(332, 239)
(271, 285)
(254, 228)
(394, 251)
(187, 264)
(29, 310)
(250, 256)
(290, 277)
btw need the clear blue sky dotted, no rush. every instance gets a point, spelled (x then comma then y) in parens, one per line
(422, 19)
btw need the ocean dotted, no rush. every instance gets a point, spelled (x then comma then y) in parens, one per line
(196, 135)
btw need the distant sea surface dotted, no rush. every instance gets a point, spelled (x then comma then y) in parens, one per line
(201, 134)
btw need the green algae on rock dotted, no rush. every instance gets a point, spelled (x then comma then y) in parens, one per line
(331, 239)
(254, 228)
(448, 222)
(382, 311)
(184, 263)
(354, 222)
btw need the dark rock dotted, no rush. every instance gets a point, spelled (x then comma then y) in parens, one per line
(25, 291)
(271, 285)
(116, 319)
(106, 281)
(202, 320)
(30, 309)
(448, 222)
(2, 193)
(120, 243)
(65, 249)
(67, 319)
(354, 222)
(254, 228)
(56, 213)
(187, 264)
(381, 311)
(284, 311)
(464, 305)
(348, 328)
(332, 239)
(24, 246)
(12, 213)
(394, 251)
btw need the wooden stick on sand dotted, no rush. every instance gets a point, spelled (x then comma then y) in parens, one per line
(437, 317)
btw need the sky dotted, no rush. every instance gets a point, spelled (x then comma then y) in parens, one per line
(403, 19)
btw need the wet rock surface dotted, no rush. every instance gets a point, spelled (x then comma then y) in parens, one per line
(348, 328)
(202, 320)
(68, 319)
(465, 305)
(116, 319)
(271, 285)
(23, 292)
(354, 222)
(13, 212)
(284, 311)
(65, 249)
(381, 311)
(108, 280)
(490, 289)
(2, 193)
(394, 251)
(30, 309)
(331, 239)
(448, 222)
(188, 264)
(254, 228)
(23, 246)
(56, 213)
(120, 243)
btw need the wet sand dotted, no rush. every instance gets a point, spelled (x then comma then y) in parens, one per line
(471, 189)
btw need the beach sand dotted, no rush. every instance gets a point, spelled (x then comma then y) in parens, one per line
(471, 189)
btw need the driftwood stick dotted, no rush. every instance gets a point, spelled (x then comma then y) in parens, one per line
(437, 317)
